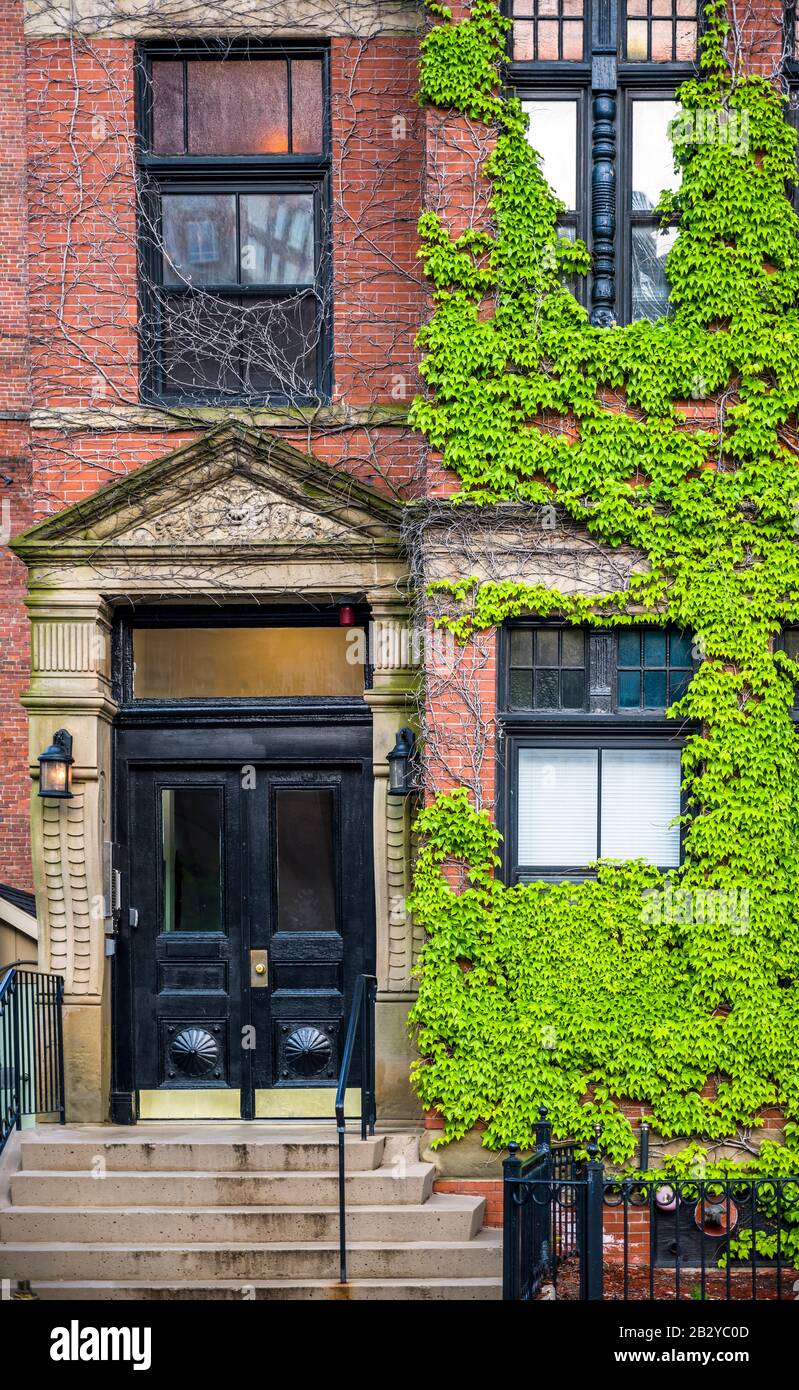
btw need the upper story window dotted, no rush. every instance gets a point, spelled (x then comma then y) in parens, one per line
(597, 79)
(235, 255)
(650, 31)
(660, 31)
(553, 670)
(592, 765)
(549, 30)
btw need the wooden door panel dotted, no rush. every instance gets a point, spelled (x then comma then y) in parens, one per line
(307, 862)
(187, 1016)
(186, 1013)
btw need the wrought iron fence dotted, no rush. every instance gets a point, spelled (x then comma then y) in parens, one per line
(591, 1236)
(550, 1217)
(706, 1238)
(31, 1047)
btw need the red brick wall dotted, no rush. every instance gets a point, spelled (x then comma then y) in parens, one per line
(490, 1188)
(82, 222)
(68, 199)
(460, 734)
(379, 299)
(14, 450)
(81, 122)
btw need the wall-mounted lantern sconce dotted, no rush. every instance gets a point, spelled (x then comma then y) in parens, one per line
(55, 766)
(402, 764)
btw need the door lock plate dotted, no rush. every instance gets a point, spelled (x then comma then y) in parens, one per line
(259, 969)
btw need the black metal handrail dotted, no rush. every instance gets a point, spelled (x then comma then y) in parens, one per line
(362, 1013)
(31, 1046)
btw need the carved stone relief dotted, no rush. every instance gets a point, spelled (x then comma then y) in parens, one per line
(235, 510)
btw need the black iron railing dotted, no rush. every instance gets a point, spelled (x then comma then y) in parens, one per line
(550, 1216)
(31, 1046)
(710, 1239)
(592, 1235)
(362, 1019)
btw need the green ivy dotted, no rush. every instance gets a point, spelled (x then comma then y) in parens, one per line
(570, 994)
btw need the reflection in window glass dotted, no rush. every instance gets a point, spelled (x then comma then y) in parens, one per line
(306, 852)
(276, 245)
(277, 238)
(552, 131)
(191, 828)
(653, 160)
(199, 232)
(650, 288)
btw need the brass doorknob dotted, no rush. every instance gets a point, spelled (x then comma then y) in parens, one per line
(260, 968)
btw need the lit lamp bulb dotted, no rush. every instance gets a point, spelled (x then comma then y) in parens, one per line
(55, 767)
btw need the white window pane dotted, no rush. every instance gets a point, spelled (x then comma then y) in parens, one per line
(640, 797)
(653, 159)
(552, 131)
(557, 806)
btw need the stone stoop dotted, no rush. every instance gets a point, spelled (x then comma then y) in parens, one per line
(234, 1211)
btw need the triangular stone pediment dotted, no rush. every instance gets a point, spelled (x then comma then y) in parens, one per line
(234, 488)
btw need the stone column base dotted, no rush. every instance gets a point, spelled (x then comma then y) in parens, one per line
(394, 1053)
(87, 1035)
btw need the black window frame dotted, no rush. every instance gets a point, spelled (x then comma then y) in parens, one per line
(608, 727)
(577, 89)
(779, 645)
(649, 88)
(258, 173)
(630, 80)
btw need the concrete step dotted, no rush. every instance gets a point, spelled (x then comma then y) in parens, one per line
(91, 1151)
(442, 1217)
(407, 1182)
(358, 1290)
(419, 1260)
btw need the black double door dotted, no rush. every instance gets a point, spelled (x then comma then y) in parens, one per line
(247, 909)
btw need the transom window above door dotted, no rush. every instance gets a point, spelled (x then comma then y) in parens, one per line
(234, 171)
(232, 656)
